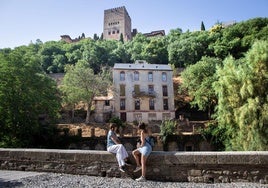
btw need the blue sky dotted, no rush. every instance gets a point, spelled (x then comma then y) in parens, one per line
(23, 21)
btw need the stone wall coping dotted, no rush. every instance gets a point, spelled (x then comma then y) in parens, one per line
(176, 157)
(54, 150)
(154, 152)
(206, 167)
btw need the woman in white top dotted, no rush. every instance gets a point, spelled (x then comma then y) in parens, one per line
(114, 146)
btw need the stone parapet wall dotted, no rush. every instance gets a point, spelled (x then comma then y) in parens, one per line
(207, 167)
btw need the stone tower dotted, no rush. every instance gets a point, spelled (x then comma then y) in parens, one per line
(117, 21)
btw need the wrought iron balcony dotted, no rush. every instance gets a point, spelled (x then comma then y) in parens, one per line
(140, 94)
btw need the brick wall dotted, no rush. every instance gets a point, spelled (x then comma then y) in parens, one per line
(208, 167)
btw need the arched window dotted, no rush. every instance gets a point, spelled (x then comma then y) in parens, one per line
(164, 76)
(122, 76)
(150, 76)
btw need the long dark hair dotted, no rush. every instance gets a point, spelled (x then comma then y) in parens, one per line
(142, 126)
(113, 126)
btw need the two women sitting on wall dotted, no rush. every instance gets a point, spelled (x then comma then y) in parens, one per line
(140, 154)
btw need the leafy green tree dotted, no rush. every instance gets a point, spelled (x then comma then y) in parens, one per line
(119, 55)
(153, 49)
(242, 94)
(80, 84)
(237, 39)
(53, 57)
(167, 128)
(216, 28)
(97, 53)
(117, 121)
(137, 46)
(89, 54)
(95, 37)
(26, 93)
(73, 52)
(155, 52)
(198, 80)
(189, 48)
(214, 135)
(174, 35)
(107, 46)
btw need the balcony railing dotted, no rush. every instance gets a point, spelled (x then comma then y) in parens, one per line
(138, 94)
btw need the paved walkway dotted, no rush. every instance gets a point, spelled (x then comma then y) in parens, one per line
(52, 180)
(10, 175)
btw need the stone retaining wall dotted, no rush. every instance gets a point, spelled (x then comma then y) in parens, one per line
(208, 167)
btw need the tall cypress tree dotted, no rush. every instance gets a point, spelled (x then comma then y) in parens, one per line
(121, 38)
(202, 26)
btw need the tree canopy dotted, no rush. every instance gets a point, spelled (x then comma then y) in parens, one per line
(225, 69)
(198, 80)
(243, 99)
(26, 95)
(178, 48)
(80, 84)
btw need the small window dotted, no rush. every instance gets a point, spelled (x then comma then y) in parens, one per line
(137, 104)
(138, 117)
(165, 104)
(150, 76)
(117, 31)
(109, 33)
(136, 76)
(150, 89)
(152, 116)
(107, 103)
(137, 89)
(122, 104)
(165, 91)
(122, 76)
(164, 77)
(113, 32)
(122, 90)
(166, 116)
(123, 116)
(151, 104)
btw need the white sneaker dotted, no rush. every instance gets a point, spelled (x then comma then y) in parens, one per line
(127, 164)
(141, 179)
(138, 168)
(122, 169)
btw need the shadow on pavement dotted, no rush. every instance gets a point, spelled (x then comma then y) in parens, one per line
(7, 183)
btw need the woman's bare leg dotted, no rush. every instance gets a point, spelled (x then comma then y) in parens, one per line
(143, 165)
(136, 155)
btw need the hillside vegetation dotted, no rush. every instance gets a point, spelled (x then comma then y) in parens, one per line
(225, 74)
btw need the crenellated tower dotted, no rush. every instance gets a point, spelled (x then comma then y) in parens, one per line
(117, 21)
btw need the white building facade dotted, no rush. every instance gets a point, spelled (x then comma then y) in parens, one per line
(143, 92)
